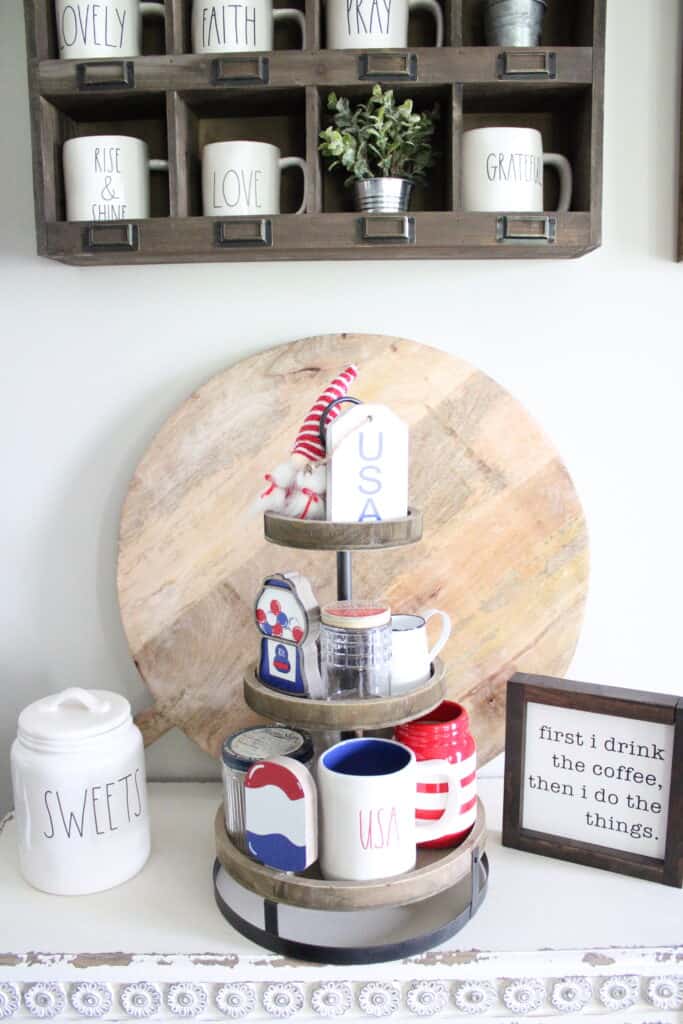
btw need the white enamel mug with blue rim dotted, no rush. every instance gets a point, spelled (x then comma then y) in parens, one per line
(367, 790)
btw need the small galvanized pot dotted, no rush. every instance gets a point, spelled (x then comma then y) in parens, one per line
(383, 195)
(514, 22)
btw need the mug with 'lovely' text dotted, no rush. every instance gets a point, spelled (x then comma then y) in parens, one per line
(108, 28)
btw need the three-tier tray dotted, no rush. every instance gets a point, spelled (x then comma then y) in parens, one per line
(304, 916)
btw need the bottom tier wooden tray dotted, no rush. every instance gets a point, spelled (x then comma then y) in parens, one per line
(307, 918)
(436, 871)
(336, 715)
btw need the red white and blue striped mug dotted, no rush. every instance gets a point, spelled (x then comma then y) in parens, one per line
(444, 734)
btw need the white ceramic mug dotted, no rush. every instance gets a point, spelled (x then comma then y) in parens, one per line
(411, 655)
(502, 169)
(108, 28)
(222, 27)
(367, 790)
(106, 177)
(375, 24)
(243, 178)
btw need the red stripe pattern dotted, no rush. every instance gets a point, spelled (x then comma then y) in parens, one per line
(308, 439)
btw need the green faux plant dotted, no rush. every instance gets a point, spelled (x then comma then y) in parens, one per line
(378, 139)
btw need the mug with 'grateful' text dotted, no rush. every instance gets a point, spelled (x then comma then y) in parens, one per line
(221, 27)
(107, 28)
(242, 178)
(375, 24)
(106, 177)
(502, 170)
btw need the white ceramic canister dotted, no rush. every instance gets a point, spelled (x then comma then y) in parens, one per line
(78, 775)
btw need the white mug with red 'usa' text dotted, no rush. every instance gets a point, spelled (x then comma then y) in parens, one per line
(367, 793)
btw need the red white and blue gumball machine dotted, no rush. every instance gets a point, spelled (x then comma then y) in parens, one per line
(288, 618)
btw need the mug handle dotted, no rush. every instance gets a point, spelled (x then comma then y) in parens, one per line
(435, 8)
(564, 169)
(296, 161)
(158, 165)
(445, 630)
(449, 822)
(158, 10)
(286, 13)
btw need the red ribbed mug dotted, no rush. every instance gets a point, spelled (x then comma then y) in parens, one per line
(444, 733)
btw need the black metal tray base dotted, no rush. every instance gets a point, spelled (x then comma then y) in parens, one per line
(352, 937)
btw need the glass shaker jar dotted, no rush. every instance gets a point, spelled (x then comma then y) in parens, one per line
(355, 649)
(244, 748)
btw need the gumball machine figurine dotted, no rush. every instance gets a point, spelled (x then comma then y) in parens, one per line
(288, 619)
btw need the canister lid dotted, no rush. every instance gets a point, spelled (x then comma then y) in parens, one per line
(356, 614)
(73, 715)
(261, 742)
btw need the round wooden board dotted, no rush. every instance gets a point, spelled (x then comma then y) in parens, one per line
(436, 871)
(340, 715)
(504, 547)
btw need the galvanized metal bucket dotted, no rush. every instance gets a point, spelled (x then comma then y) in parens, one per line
(514, 22)
(383, 195)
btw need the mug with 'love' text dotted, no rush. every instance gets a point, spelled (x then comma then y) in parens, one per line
(242, 178)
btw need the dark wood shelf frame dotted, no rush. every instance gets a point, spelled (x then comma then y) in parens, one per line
(177, 101)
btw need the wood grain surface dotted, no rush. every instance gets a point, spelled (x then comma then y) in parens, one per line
(436, 870)
(504, 548)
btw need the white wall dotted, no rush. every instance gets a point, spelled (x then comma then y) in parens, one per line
(93, 360)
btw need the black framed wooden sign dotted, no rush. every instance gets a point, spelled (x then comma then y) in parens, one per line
(594, 774)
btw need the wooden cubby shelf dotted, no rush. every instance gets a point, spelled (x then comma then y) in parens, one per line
(177, 102)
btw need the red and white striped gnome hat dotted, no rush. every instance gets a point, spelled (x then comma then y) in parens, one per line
(307, 441)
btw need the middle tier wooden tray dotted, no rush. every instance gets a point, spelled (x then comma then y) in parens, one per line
(378, 713)
(436, 871)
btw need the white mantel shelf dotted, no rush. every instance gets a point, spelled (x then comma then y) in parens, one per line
(619, 940)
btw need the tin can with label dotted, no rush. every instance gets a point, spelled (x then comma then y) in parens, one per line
(244, 748)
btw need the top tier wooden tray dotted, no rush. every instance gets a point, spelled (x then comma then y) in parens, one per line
(319, 535)
(178, 102)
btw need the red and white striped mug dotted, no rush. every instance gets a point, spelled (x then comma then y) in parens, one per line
(444, 733)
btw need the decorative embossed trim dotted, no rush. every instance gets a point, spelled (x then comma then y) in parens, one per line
(423, 997)
(9, 1000)
(379, 998)
(524, 995)
(665, 992)
(283, 999)
(140, 999)
(332, 998)
(91, 999)
(619, 992)
(44, 999)
(236, 999)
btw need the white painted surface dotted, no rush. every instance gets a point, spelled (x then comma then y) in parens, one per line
(93, 360)
(168, 907)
